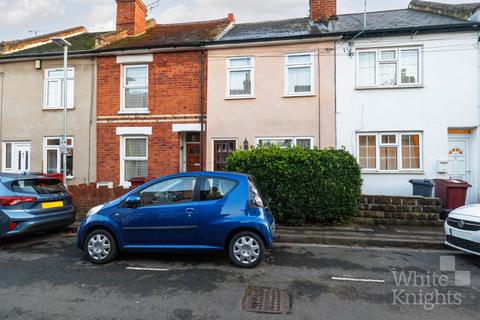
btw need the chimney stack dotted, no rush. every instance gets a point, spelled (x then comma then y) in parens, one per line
(322, 10)
(131, 16)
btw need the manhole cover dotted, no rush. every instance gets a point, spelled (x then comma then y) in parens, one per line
(266, 300)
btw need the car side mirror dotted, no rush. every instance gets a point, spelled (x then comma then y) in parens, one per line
(133, 201)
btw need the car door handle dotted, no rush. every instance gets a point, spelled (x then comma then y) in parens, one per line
(189, 211)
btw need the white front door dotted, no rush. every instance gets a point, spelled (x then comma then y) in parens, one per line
(459, 158)
(21, 157)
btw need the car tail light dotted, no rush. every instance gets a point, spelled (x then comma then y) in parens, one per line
(12, 226)
(11, 201)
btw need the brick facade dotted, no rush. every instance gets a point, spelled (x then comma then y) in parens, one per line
(322, 9)
(131, 16)
(174, 98)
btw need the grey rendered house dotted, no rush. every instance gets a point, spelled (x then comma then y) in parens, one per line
(31, 113)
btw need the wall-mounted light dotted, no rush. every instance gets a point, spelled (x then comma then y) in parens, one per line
(38, 64)
(245, 144)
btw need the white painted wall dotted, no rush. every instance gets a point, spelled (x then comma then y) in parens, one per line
(450, 98)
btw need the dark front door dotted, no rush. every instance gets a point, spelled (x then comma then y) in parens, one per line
(223, 148)
(193, 152)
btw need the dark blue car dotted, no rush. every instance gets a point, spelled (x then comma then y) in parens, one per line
(189, 211)
(30, 203)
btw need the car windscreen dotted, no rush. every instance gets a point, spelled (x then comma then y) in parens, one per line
(38, 186)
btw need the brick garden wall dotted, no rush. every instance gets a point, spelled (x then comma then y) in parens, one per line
(399, 210)
(86, 196)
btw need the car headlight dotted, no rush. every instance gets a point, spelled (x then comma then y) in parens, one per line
(94, 210)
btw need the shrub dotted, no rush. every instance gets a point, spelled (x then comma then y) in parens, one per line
(304, 186)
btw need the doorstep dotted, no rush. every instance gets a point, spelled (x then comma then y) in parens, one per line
(415, 237)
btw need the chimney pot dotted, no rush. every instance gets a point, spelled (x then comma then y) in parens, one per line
(131, 16)
(322, 10)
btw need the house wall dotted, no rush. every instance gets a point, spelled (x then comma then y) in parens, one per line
(24, 118)
(270, 113)
(174, 98)
(449, 98)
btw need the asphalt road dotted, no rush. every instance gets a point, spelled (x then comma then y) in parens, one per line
(44, 277)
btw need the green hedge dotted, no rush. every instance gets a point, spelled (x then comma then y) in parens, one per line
(304, 186)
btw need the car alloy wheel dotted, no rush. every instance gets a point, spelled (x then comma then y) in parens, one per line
(246, 250)
(100, 247)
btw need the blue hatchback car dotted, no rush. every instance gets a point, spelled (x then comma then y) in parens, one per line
(30, 203)
(183, 212)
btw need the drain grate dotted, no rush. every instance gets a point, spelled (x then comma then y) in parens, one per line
(266, 300)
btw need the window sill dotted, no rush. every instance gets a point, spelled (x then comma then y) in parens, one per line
(239, 97)
(299, 95)
(133, 111)
(415, 86)
(57, 108)
(70, 177)
(393, 172)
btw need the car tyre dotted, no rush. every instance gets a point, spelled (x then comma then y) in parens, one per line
(100, 247)
(246, 249)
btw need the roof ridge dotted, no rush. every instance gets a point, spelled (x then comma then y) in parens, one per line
(268, 21)
(193, 22)
(7, 47)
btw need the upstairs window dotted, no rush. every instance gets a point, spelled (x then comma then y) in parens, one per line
(135, 88)
(240, 77)
(389, 68)
(54, 79)
(299, 74)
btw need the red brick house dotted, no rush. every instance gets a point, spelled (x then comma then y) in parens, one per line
(151, 96)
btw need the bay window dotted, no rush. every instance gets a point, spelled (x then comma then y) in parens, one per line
(389, 67)
(240, 77)
(299, 76)
(52, 157)
(390, 151)
(54, 83)
(135, 88)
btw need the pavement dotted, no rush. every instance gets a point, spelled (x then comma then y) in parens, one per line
(45, 277)
(417, 237)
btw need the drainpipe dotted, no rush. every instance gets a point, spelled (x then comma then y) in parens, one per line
(319, 100)
(202, 110)
(2, 77)
(93, 93)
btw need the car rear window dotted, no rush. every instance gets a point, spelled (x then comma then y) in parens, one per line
(38, 186)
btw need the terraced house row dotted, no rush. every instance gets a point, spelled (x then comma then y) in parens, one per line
(399, 89)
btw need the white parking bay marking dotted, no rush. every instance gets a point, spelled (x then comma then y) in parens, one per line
(357, 280)
(146, 269)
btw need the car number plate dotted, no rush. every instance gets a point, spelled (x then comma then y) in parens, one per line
(50, 205)
(461, 234)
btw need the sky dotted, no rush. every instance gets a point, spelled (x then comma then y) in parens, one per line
(24, 18)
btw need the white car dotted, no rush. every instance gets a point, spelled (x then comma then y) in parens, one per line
(463, 229)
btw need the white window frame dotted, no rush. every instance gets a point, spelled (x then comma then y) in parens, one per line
(288, 66)
(398, 144)
(398, 63)
(59, 80)
(123, 158)
(231, 69)
(15, 155)
(123, 91)
(312, 140)
(47, 147)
